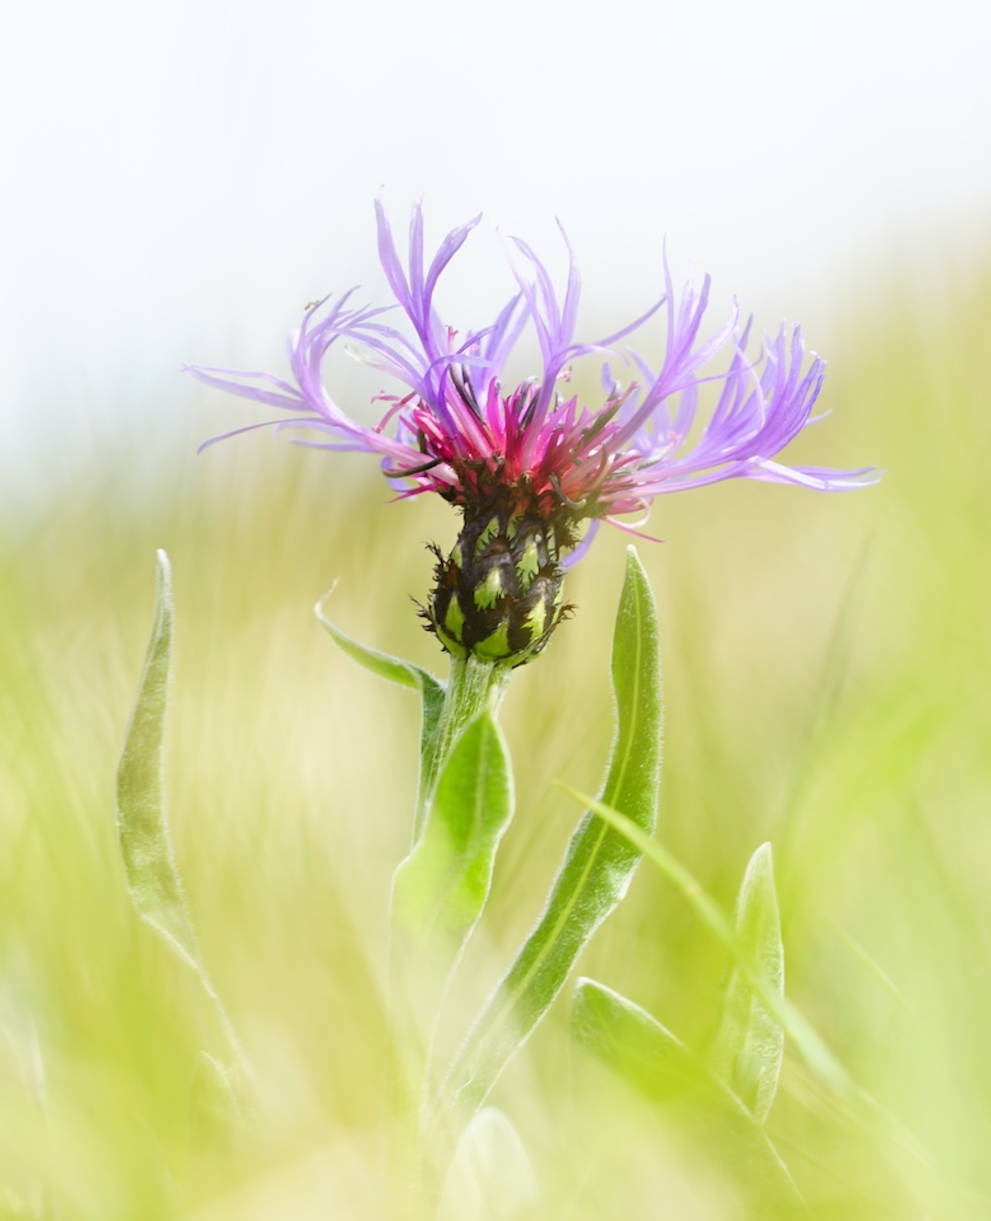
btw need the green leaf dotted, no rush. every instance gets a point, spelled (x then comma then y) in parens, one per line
(632, 1042)
(142, 827)
(810, 1045)
(490, 1174)
(598, 865)
(749, 1045)
(441, 887)
(655, 1062)
(404, 674)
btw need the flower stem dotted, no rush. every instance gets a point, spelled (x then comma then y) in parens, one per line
(413, 994)
(471, 684)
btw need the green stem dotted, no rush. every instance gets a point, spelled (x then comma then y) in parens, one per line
(468, 690)
(472, 685)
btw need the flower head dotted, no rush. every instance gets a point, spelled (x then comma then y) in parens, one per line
(529, 463)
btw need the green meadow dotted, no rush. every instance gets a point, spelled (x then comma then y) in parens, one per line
(827, 664)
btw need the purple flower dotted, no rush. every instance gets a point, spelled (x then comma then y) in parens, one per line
(535, 452)
(460, 431)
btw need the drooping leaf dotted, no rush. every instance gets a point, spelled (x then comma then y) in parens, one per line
(598, 865)
(404, 674)
(440, 889)
(142, 827)
(749, 1045)
(491, 1175)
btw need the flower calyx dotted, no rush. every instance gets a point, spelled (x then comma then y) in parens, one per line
(499, 593)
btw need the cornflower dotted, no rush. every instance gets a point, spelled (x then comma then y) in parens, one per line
(529, 464)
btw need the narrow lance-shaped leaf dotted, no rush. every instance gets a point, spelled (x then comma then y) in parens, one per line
(440, 889)
(404, 674)
(749, 1045)
(142, 828)
(598, 865)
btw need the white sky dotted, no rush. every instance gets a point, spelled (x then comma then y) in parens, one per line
(181, 178)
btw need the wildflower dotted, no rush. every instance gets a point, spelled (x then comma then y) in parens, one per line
(528, 465)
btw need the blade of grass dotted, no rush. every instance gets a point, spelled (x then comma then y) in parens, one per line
(875, 968)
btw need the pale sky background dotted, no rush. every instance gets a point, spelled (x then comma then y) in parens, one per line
(182, 178)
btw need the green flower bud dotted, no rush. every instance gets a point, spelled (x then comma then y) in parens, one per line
(499, 594)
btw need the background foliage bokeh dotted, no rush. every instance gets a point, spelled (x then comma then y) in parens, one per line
(826, 663)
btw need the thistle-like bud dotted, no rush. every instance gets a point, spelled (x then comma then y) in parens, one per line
(499, 594)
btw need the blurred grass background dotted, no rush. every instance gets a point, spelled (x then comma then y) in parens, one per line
(826, 665)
